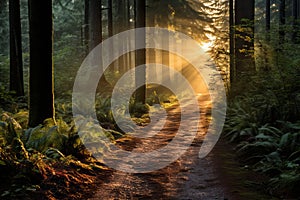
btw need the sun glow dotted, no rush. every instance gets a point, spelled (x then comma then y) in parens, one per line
(206, 46)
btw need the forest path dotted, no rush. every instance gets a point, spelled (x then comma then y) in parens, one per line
(187, 178)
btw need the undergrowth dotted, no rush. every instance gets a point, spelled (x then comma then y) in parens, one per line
(263, 122)
(51, 160)
(48, 157)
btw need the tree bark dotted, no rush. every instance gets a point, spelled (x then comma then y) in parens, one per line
(295, 38)
(41, 102)
(122, 26)
(150, 22)
(110, 18)
(231, 42)
(16, 63)
(268, 19)
(166, 60)
(127, 42)
(95, 23)
(140, 57)
(281, 21)
(86, 26)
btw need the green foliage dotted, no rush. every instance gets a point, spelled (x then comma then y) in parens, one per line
(44, 136)
(263, 122)
(11, 129)
(290, 180)
(4, 72)
(138, 109)
(264, 111)
(29, 158)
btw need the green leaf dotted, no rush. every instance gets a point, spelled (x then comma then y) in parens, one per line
(285, 140)
(2, 163)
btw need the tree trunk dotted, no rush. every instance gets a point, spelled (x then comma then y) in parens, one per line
(128, 27)
(110, 19)
(268, 35)
(110, 29)
(16, 63)
(86, 26)
(122, 26)
(166, 60)
(295, 38)
(268, 19)
(231, 42)
(95, 23)
(140, 57)
(281, 21)
(121, 17)
(41, 100)
(150, 22)
(244, 48)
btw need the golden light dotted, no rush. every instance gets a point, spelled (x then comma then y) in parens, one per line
(206, 46)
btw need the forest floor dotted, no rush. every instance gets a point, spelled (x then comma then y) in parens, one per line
(217, 176)
(187, 178)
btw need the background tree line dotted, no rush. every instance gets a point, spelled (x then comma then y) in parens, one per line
(78, 27)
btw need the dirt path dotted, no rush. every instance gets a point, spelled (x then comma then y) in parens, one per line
(187, 178)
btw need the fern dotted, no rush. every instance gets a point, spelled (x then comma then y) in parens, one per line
(44, 136)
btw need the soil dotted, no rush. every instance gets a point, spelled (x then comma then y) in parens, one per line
(217, 176)
(187, 178)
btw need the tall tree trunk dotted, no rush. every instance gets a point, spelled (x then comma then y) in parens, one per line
(130, 26)
(86, 25)
(268, 19)
(268, 35)
(244, 48)
(281, 21)
(140, 57)
(41, 100)
(295, 38)
(166, 60)
(95, 23)
(110, 29)
(110, 18)
(16, 63)
(231, 42)
(121, 17)
(122, 26)
(150, 22)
